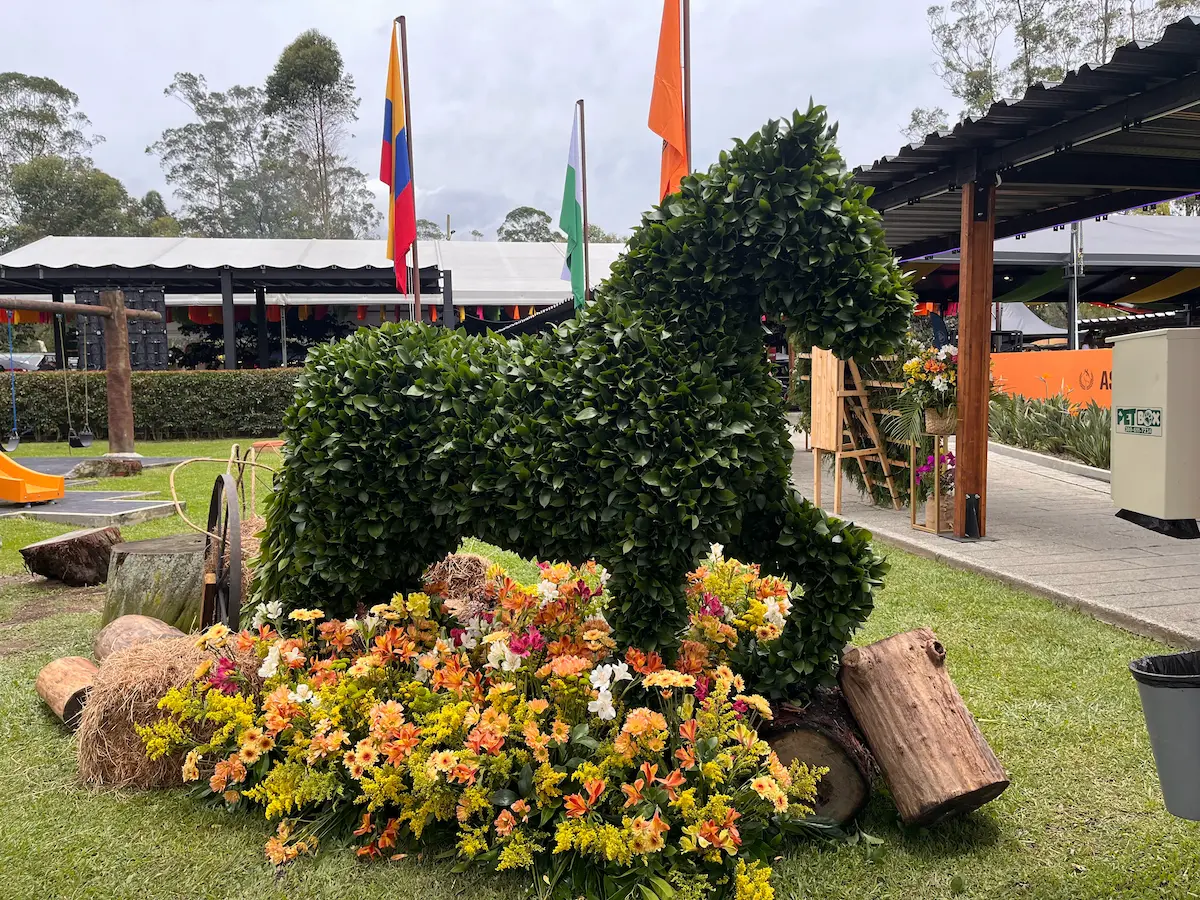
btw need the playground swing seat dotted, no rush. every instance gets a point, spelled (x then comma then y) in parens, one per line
(82, 439)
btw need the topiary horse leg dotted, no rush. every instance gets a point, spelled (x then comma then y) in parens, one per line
(837, 568)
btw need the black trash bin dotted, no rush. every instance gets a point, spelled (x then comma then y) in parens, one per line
(1170, 690)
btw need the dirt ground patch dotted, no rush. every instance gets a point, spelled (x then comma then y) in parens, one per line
(49, 598)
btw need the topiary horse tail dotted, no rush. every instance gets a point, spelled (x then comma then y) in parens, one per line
(637, 435)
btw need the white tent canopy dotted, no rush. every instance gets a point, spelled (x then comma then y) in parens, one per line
(1019, 317)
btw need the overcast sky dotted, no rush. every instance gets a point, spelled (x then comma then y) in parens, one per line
(493, 82)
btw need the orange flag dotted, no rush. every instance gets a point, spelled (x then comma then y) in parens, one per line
(666, 103)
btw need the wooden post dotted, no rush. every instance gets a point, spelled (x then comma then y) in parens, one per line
(120, 388)
(227, 316)
(587, 264)
(260, 320)
(411, 174)
(65, 684)
(974, 355)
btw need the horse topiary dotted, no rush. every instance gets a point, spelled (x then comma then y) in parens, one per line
(639, 434)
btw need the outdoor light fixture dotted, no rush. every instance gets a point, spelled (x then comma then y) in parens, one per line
(1133, 278)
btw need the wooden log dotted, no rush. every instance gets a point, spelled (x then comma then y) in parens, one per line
(823, 733)
(932, 754)
(160, 578)
(64, 685)
(76, 558)
(130, 631)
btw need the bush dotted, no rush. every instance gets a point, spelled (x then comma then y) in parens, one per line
(170, 404)
(1054, 425)
(637, 435)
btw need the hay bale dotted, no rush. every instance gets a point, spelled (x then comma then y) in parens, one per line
(460, 578)
(126, 693)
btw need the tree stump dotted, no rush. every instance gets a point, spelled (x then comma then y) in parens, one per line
(823, 733)
(130, 631)
(105, 467)
(161, 578)
(932, 754)
(76, 558)
(64, 685)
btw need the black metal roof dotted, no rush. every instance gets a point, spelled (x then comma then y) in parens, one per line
(1107, 138)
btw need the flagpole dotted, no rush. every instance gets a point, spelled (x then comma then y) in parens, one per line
(687, 79)
(412, 177)
(587, 270)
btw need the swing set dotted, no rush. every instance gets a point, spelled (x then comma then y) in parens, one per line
(21, 485)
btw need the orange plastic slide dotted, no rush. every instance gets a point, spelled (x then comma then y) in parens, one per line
(21, 485)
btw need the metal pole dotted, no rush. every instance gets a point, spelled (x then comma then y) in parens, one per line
(1073, 286)
(411, 173)
(687, 79)
(587, 265)
(227, 318)
(260, 314)
(60, 351)
(283, 334)
(449, 320)
(447, 226)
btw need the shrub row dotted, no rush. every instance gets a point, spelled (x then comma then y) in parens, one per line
(170, 404)
(1054, 425)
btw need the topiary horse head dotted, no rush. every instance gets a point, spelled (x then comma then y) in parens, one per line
(637, 435)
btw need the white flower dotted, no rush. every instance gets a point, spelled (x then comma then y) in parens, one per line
(274, 610)
(777, 611)
(500, 657)
(940, 383)
(369, 624)
(260, 618)
(547, 590)
(270, 665)
(716, 550)
(304, 694)
(601, 678)
(620, 672)
(603, 707)
(604, 576)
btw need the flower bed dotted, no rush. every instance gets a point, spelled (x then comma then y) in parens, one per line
(512, 729)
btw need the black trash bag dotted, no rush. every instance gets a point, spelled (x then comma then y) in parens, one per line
(1174, 670)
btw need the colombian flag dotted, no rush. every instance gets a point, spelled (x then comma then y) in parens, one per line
(394, 170)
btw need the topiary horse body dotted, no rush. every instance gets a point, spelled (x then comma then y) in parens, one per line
(637, 435)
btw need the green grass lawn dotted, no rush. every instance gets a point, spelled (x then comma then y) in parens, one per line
(1082, 819)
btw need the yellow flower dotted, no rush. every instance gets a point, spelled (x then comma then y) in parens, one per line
(757, 703)
(669, 678)
(214, 637)
(191, 771)
(753, 882)
(306, 615)
(767, 632)
(202, 670)
(418, 605)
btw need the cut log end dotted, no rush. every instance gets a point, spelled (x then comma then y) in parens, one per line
(77, 558)
(64, 684)
(824, 734)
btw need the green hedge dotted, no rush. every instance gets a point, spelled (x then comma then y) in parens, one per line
(170, 404)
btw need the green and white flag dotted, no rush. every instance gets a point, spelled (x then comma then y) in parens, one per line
(571, 221)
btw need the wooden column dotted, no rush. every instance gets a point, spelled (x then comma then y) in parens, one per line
(260, 320)
(227, 316)
(974, 353)
(120, 389)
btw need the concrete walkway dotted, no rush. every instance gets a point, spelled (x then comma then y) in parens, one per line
(1054, 534)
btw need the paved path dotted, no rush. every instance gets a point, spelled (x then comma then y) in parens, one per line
(1055, 534)
(61, 465)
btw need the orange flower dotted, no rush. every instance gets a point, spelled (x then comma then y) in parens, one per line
(336, 634)
(689, 730)
(538, 706)
(537, 742)
(643, 663)
(365, 826)
(633, 793)
(463, 773)
(577, 805)
(686, 757)
(641, 721)
(505, 823)
(521, 808)
(672, 783)
(560, 732)
(566, 666)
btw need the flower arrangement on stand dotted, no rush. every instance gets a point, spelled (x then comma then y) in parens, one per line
(943, 466)
(513, 730)
(931, 383)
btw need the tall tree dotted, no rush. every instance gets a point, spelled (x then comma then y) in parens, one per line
(40, 117)
(597, 235)
(477, 234)
(57, 196)
(525, 223)
(230, 166)
(428, 230)
(311, 92)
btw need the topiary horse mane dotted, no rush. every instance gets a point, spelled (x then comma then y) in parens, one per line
(637, 435)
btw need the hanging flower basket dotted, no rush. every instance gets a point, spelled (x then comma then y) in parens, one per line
(941, 421)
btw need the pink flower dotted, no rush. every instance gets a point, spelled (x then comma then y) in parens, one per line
(702, 688)
(529, 642)
(456, 634)
(740, 707)
(222, 677)
(711, 606)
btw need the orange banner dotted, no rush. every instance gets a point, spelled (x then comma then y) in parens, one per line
(1083, 375)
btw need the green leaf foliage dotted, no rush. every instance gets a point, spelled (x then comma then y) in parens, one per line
(636, 435)
(170, 404)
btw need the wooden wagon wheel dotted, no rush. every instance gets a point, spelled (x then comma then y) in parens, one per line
(222, 601)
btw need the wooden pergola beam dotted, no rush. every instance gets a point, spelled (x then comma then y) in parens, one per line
(75, 309)
(974, 358)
